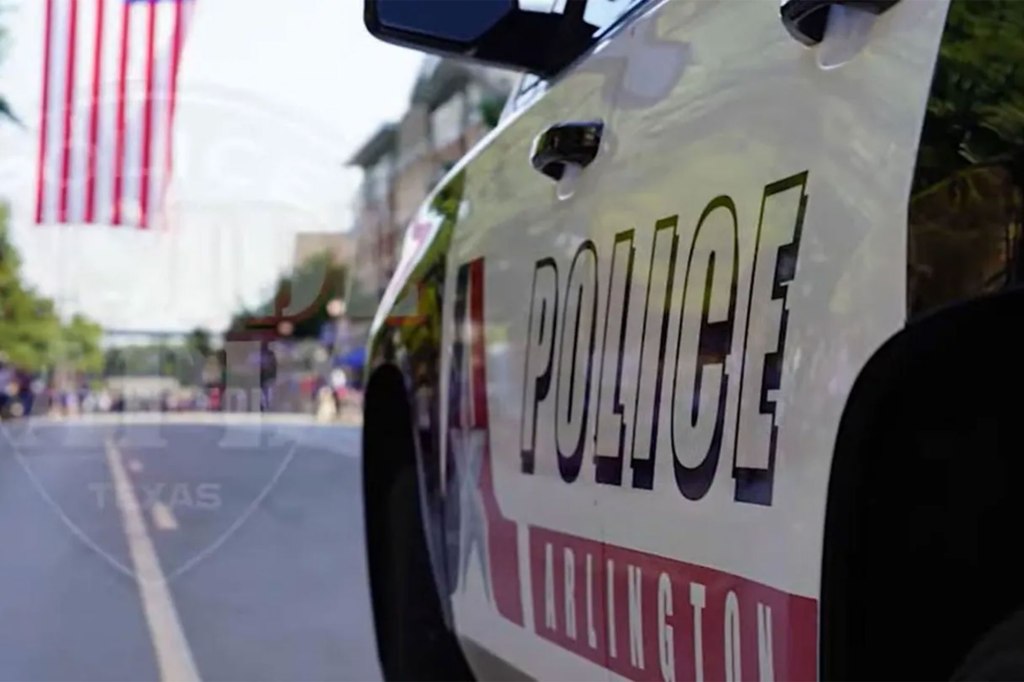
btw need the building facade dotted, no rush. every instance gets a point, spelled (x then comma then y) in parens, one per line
(452, 107)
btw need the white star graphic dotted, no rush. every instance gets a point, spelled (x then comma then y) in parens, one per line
(468, 445)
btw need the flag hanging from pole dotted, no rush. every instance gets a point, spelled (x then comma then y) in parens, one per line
(110, 70)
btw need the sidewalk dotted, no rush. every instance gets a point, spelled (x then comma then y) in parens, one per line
(351, 418)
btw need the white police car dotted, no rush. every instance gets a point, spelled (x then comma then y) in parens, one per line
(716, 364)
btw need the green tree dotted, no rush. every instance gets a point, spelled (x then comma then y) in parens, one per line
(31, 334)
(967, 207)
(199, 343)
(29, 327)
(300, 297)
(976, 109)
(79, 345)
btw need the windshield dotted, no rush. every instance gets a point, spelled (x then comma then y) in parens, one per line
(201, 204)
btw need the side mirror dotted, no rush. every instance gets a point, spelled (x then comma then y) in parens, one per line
(495, 32)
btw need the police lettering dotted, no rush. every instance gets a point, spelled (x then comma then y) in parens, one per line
(660, 358)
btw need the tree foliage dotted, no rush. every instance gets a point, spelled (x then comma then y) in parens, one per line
(176, 360)
(32, 336)
(78, 345)
(966, 211)
(190, 360)
(300, 298)
(976, 109)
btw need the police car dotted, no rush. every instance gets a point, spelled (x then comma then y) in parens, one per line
(714, 361)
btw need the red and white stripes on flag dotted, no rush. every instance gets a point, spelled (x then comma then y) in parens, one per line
(110, 71)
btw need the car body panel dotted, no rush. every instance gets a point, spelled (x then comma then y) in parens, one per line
(701, 102)
(508, 203)
(726, 142)
(406, 333)
(815, 163)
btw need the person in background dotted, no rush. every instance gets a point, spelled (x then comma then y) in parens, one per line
(268, 375)
(339, 387)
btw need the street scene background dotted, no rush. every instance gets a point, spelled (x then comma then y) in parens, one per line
(180, 402)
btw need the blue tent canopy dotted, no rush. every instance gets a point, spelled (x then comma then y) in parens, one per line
(354, 358)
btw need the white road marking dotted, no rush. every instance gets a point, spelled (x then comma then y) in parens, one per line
(163, 517)
(134, 466)
(173, 656)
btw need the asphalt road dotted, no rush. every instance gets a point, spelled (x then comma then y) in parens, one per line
(216, 551)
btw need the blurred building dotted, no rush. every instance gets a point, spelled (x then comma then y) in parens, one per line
(452, 106)
(375, 229)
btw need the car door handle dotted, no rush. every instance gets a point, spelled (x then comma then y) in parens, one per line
(806, 19)
(566, 143)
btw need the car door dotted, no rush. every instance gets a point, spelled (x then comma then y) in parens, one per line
(509, 218)
(662, 343)
(766, 183)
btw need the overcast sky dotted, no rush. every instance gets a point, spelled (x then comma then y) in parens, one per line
(273, 98)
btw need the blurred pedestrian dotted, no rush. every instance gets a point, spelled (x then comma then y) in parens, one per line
(268, 375)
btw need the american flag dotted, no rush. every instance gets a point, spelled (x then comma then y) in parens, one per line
(110, 70)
